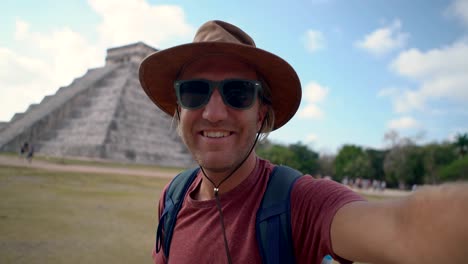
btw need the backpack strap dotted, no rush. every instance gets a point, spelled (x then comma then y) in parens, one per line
(273, 222)
(173, 201)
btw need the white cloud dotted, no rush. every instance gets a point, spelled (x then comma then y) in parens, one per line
(384, 40)
(127, 21)
(416, 64)
(18, 69)
(22, 28)
(440, 73)
(314, 40)
(22, 82)
(459, 8)
(311, 138)
(388, 92)
(69, 53)
(404, 100)
(402, 123)
(58, 56)
(409, 100)
(311, 111)
(313, 94)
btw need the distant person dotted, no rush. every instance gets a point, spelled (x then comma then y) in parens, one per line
(21, 153)
(345, 180)
(225, 93)
(375, 184)
(383, 185)
(24, 150)
(30, 154)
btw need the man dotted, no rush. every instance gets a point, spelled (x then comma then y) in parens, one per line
(224, 92)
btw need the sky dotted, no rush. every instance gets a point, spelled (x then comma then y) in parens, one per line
(367, 67)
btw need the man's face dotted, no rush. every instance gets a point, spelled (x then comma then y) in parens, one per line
(218, 135)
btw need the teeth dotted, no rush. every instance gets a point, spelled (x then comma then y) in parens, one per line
(215, 134)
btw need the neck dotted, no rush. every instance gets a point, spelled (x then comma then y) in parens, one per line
(206, 190)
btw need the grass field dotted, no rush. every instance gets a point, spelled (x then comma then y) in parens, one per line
(57, 217)
(67, 217)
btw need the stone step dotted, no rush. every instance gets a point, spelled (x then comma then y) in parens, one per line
(102, 114)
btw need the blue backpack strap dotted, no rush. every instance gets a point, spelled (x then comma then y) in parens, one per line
(175, 194)
(273, 222)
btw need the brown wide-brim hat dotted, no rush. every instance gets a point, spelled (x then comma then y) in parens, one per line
(159, 70)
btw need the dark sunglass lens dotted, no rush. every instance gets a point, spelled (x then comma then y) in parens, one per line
(239, 94)
(194, 94)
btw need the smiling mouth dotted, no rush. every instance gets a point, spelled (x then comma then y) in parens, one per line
(216, 134)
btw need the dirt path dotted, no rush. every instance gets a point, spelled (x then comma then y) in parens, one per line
(39, 164)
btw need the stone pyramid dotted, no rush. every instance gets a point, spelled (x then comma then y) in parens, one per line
(104, 114)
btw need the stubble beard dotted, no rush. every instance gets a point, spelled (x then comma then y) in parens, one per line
(199, 156)
(235, 158)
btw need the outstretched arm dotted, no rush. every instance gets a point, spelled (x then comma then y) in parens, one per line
(429, 226)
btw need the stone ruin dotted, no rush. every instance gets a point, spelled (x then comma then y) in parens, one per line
(102, 115)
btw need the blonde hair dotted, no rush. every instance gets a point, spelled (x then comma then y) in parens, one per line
(269, 119)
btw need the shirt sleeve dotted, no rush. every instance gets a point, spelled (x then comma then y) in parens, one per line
(314, 203)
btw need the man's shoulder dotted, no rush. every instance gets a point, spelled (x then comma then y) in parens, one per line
(264, 163)
(312, 192)
(308, 183)
(182, 178)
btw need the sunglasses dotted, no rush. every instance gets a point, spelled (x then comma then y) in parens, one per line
(236, 93)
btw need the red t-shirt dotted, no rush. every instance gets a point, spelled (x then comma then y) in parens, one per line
(198, 236)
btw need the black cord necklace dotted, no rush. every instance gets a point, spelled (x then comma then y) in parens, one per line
(216, 189)
(216, 193)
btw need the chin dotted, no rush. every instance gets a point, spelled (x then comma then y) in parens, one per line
(216, 165)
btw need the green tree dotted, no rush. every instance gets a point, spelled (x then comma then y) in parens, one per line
(415, 163)
(305, 158)
(457, 170)
(278, 154)
(326, 165)
(297, 156)
(377, 158)
(262, 146)
(403, 166)
(435, 157)
(352, 161)
(461, 142)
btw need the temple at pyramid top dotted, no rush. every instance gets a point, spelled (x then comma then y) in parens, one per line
(135, 52)
(103, 114)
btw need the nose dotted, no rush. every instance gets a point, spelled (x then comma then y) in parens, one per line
(215, 110)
